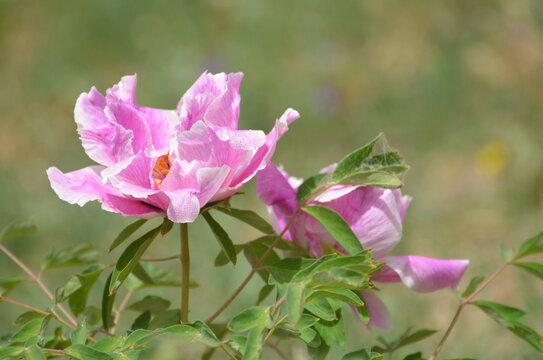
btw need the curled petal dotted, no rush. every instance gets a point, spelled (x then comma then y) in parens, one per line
(184, 206)
(379, 314)
(82, 186)
(274, 190)
(425, 274)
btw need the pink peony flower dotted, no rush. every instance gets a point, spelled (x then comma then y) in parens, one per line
(376, 217)
(156, 162)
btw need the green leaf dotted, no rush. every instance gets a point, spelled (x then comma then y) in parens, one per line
(28, 316)
(363, 354)
(415, 337)
(92, 315)
(207, 336)
(414, 356)
(166, 227)
(17, 228)
(108, 344)
(322, 309)
(126, 232)
(13, 351)
(8, 285)
(353, 161)
(79, 285)
(347, 296)
(142, 321)
(77, 255)
(337, 226)
(256, 316)
(372, 178)
(264, 292)
(142, 275)
(107, 304)
(508, 317)
(507, 254)
(138, 337)
(310, 337)
(310, 187)
(295, 300)
(160, 278)
(222, 237)
(130, 258)
(153, 303)
(474, 282)
(165, 319)
(532, 267)
(43, 328)
(249, 217)
(32, 328)
(318, 353)
(332, 331)
(34, 353)
(79, 335)
(221, 259)
(284, 270)
(531, 246)
(84, 352)
(253, 346)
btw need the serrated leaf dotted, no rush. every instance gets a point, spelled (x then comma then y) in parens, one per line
(84, 352)
(353, 161)
(337, 226)
(256, 316)
(79, 335)
(309, 187)
(531, 246)
(126, 232)
(19, 227)
(474, 282)
(363, 354)
(130, 258)
(531, 267)
(155, 304)
(77, 255)
(222, 237)
(250, 218)
(32, 328)
(34, 353)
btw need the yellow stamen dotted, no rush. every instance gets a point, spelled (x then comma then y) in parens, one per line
(161, 169)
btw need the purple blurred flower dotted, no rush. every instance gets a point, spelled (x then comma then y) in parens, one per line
(156, 162)
(376, 217)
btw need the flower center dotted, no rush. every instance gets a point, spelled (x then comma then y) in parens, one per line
(161, 169)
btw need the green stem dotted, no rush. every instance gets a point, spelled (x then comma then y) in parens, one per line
(185, 273)
(464, 302)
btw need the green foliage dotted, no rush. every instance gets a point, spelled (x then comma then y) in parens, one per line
(474, 282)
(363, 354)
(310, 186)
(84, 352)
(337, 226)
(533, 245)
(17, 228)
(33, 352)
(79, 285)
(509, 318)
(249, 217)
(222, 237)
(408, 337)
(155, 304)
(77, 255)
(126, 232)
(531, 267)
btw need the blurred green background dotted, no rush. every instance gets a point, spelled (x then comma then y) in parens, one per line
(457, 86)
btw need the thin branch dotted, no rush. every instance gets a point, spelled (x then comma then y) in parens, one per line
(121, 308)
(174, 257)
(464, 302)
(28, 307)
(38, 281)
(253, 271)
(277, 351)
(227, 351)
(185, 273)
(269, 334)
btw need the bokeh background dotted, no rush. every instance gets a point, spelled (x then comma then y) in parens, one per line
(457, 87)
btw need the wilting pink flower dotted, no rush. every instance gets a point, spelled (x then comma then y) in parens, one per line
(156, 162)
(376, 217)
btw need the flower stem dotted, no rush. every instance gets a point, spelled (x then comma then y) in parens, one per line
(464, 302)
(254, 269)
(185, 273)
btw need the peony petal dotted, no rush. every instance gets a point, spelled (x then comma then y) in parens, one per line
(130, 119)
(379, 314)
(161, 124)
(124, 91)
(224, 110)
(425, 274)
(209, 182)
(104, 141)
(82, 186)
(274, 190)
(132, 176)
(184, 206)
